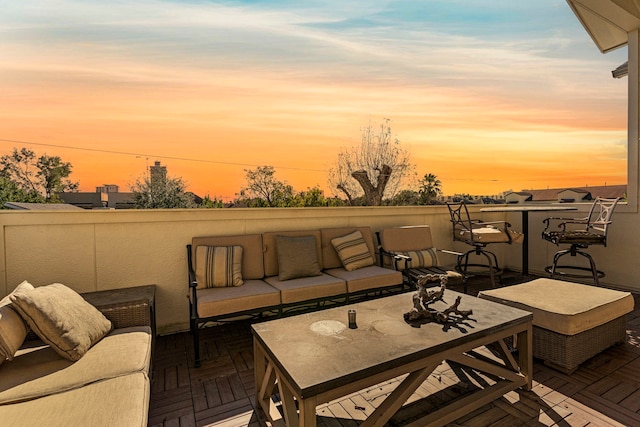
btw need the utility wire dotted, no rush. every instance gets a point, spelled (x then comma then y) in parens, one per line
(126, 153)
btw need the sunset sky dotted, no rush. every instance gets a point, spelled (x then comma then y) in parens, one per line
(488, 95)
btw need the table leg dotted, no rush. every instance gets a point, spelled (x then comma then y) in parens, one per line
(525, 355)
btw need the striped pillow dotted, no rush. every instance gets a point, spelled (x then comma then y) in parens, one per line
(353, 251)
(423, 258)
(219, 266)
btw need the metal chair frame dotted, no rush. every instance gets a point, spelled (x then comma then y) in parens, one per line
(463, 224)
(580, 233)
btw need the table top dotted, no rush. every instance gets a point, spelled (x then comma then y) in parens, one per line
(528, 208)
(122, 295)
(317, 352)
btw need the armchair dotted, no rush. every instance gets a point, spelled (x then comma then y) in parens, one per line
(580, 233)
(410, 250)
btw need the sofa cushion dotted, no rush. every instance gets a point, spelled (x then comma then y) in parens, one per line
(308, 288)
(252, 295)
(330, 258)
(37, 370)
(564, 307)
(61, 318)
(270, 248)
(297, 257)
(13, 329)
(218, 266)
(120, 401)
(366, 278)
(252, 264)
(353, 251)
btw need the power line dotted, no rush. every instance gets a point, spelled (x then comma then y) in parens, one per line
(126, 153)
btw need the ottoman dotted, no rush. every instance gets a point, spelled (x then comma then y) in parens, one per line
(572, 322)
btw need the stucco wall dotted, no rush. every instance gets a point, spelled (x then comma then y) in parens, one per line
(97, 250)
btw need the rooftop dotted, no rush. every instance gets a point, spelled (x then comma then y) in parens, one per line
(602, 392)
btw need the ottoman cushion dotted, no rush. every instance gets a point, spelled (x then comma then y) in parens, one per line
(564, 307)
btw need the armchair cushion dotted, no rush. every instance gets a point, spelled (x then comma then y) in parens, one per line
(297, 257)
(422, 258)
(13, 329)
(218, 266)
(62, 319)
(353, 251)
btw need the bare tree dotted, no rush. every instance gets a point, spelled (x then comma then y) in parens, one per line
(375, 168)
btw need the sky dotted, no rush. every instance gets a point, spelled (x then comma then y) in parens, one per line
(488, 95)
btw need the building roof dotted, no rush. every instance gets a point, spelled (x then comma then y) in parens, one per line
(41, 206)
(549, 194)
(608, 22)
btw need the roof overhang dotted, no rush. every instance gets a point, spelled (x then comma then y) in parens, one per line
(608, 22)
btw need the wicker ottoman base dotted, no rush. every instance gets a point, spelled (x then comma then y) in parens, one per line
(566, 352)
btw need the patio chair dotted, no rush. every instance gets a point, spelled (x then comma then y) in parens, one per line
(410, 250)
(580, 233)
(479, 234)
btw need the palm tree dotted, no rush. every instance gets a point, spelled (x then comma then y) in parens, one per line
(430, 188)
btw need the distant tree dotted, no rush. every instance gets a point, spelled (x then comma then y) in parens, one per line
(160, 192)
(375, 168)
(10, 191)
(264, 190)
(43, 175)
(430, 189)
(314, 197)
(209, 203)
(405, 198)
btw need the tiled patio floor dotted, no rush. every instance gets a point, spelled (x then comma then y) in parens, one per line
(604, 391)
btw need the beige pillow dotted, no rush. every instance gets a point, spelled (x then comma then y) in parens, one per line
(423, 258)
(353, 251)
(13, 330)
(62, 319)
(297, 257)
(218, 266)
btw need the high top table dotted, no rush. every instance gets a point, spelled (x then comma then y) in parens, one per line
(314, 358)
(525, 209)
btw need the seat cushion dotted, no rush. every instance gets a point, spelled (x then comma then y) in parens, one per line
(308, 288)
(39, 371)
(366, 278)
(120, 401)
(484, 235)
(564, 307)
(250, 296)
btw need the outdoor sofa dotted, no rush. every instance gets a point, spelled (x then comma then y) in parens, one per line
(88, 369)
(230, 276)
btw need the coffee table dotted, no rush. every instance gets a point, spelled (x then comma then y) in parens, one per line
(314, 358)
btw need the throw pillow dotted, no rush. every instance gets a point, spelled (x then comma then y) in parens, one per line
(62, 319)
(353, 251)
(297, 257)
(13, 330)
(219, 266)
(423, 258)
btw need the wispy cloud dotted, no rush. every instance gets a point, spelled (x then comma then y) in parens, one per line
(449, 72)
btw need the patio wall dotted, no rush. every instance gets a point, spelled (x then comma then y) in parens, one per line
(97, 250)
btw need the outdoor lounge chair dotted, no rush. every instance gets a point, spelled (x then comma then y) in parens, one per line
(410, 250)
(580, 233)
